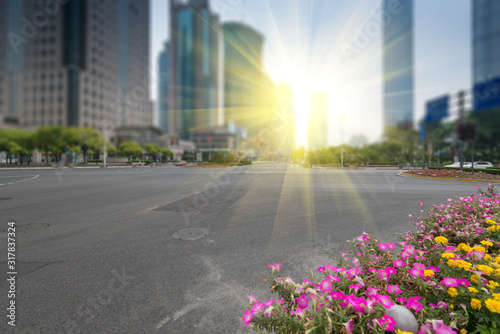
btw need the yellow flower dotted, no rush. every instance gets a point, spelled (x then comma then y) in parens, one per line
(464, 265)
(452, 307)
(497, 259)
(452, 292)
(486, 243)
(447, 255)
(487, 257)
(496, 296)
(491, 222)
(485, 269)
(479, 249)
(492, 305)
(476, 304)
(474, 278)
(463, 331)
(428, 273)
(464, 247)
(441, 240)
(399, 331)
(452, 263)
(492, 285)
(492, 228)
(472, 289)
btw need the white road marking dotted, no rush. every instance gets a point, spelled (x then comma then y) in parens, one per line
(32, 178)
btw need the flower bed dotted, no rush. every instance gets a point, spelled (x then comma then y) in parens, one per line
(479, 174)
(446, 274)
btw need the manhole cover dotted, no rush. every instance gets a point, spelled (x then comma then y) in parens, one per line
(5, 198)
(190, 234)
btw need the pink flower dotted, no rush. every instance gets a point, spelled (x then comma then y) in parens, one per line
(463, 281)
(394, 289)
(252, 299)
(416, 272)
(325, 285)
(349, 326)
(449, 282)
(414, 305)
(386, 322)
(372, 291)
(385, 301)
(399, 263)
(303, 302)
(337, 295)
(355, 287)
(299, 311)
(275, 266)
(247, 318)
(422, 203)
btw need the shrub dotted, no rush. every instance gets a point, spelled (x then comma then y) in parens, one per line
(446, 273)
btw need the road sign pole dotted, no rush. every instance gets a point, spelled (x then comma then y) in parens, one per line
(472, 158)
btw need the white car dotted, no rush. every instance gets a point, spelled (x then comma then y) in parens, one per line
(483, 164)
(457, 165)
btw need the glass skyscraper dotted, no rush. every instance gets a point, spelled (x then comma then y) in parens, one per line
(398, 64)
(78, 62)
(486, 53)
(243, 76)
(164, 113)
(194, 66)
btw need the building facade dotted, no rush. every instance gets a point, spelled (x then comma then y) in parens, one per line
(164, 111)
(243, 78)
(398, 64)
(317, 129)
(194, 86)
(80, 63)
(486, 54)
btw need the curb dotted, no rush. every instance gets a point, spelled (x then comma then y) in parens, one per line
(447, 178)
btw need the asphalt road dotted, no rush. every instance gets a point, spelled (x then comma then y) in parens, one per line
(95, 251)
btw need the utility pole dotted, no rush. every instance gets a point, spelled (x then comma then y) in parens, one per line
(461, 117)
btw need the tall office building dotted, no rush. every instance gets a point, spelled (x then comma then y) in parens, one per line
(317, 130)
(486, 53)
(398, 64)
(243, 76)
(194, 42)
(81, 63)
(164, 112)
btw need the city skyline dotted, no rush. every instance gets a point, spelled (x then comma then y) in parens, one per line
(362, 76)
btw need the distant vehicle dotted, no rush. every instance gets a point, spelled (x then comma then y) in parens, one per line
(457, 165)
(483, 164)
(180, 163)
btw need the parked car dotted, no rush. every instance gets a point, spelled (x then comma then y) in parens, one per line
(457, 165)
(483, 164)
(180, 163)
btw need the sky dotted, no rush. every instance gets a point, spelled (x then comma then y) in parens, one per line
(307, 44)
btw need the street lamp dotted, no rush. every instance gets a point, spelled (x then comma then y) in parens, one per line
(341, 119)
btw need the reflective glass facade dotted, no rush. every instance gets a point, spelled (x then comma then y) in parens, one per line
(164, 114)
(398, 64)
(486, 39)
(194, 67)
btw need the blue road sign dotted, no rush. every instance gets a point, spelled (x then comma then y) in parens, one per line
(437, 109)
(487, 94)
(422, 131)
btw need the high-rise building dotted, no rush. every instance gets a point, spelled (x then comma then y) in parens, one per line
(164, 111)
(283, 124)
(398, 64)
(194, 79)
(486, 53)
(80, 63)
(243, 75)
(317, 130)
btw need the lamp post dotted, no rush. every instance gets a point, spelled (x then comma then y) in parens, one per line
(341, 119)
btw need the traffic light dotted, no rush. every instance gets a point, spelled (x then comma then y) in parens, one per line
(467, 131)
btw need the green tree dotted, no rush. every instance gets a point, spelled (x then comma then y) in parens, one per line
(152, 150)
(131, 149)
(165, 152)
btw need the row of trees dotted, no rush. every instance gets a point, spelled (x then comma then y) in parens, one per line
(400, 146)
(56, 140)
